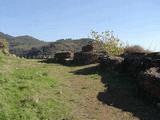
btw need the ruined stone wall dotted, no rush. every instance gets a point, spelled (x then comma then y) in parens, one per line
(144, 67)
(89, 54)
(62, 56)
(86, 58)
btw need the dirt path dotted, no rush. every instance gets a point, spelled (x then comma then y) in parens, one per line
(89, 107)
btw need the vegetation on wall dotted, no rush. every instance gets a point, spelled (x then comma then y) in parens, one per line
(134, 49)
(111, 44)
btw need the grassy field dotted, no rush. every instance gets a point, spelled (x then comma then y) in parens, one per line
(31, 90)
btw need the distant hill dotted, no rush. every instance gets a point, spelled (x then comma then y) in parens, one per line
(26, 42)
(30, 47)
(58, 46)
(19, 44)
(6, 36)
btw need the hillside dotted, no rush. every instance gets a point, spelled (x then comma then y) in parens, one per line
(19, 44)
(22, 42)
(6, 36)
(31, 47)
(60, 45)
(26, 42)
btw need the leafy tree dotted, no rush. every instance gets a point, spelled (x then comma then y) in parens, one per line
(111, 44)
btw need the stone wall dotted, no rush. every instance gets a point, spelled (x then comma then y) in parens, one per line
(89, 54)
(62, 56)
(85, 58)
(87, 48)
(149, 83)
(144, 67)
(111, 62)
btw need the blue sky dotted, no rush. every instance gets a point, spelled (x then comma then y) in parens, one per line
(133, 21)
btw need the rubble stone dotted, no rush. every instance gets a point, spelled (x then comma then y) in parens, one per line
(149, 82)
(111, 62)
(62, 56)
(86, 57)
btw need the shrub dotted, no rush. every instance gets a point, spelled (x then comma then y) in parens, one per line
(3, 43)
(111, 44)
(4, 46)
(134, 49)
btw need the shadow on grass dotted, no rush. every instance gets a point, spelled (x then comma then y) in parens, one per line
(69, 63)
(122, 92)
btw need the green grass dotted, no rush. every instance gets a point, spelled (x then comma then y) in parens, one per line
(28, 92)
(2, 58)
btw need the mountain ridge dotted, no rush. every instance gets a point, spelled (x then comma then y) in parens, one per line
(30, 47)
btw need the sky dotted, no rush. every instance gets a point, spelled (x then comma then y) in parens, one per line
(133, 21)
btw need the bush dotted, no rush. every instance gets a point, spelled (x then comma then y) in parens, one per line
(134, 49)
(3, 43)
(4, 46)
(111, 44)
